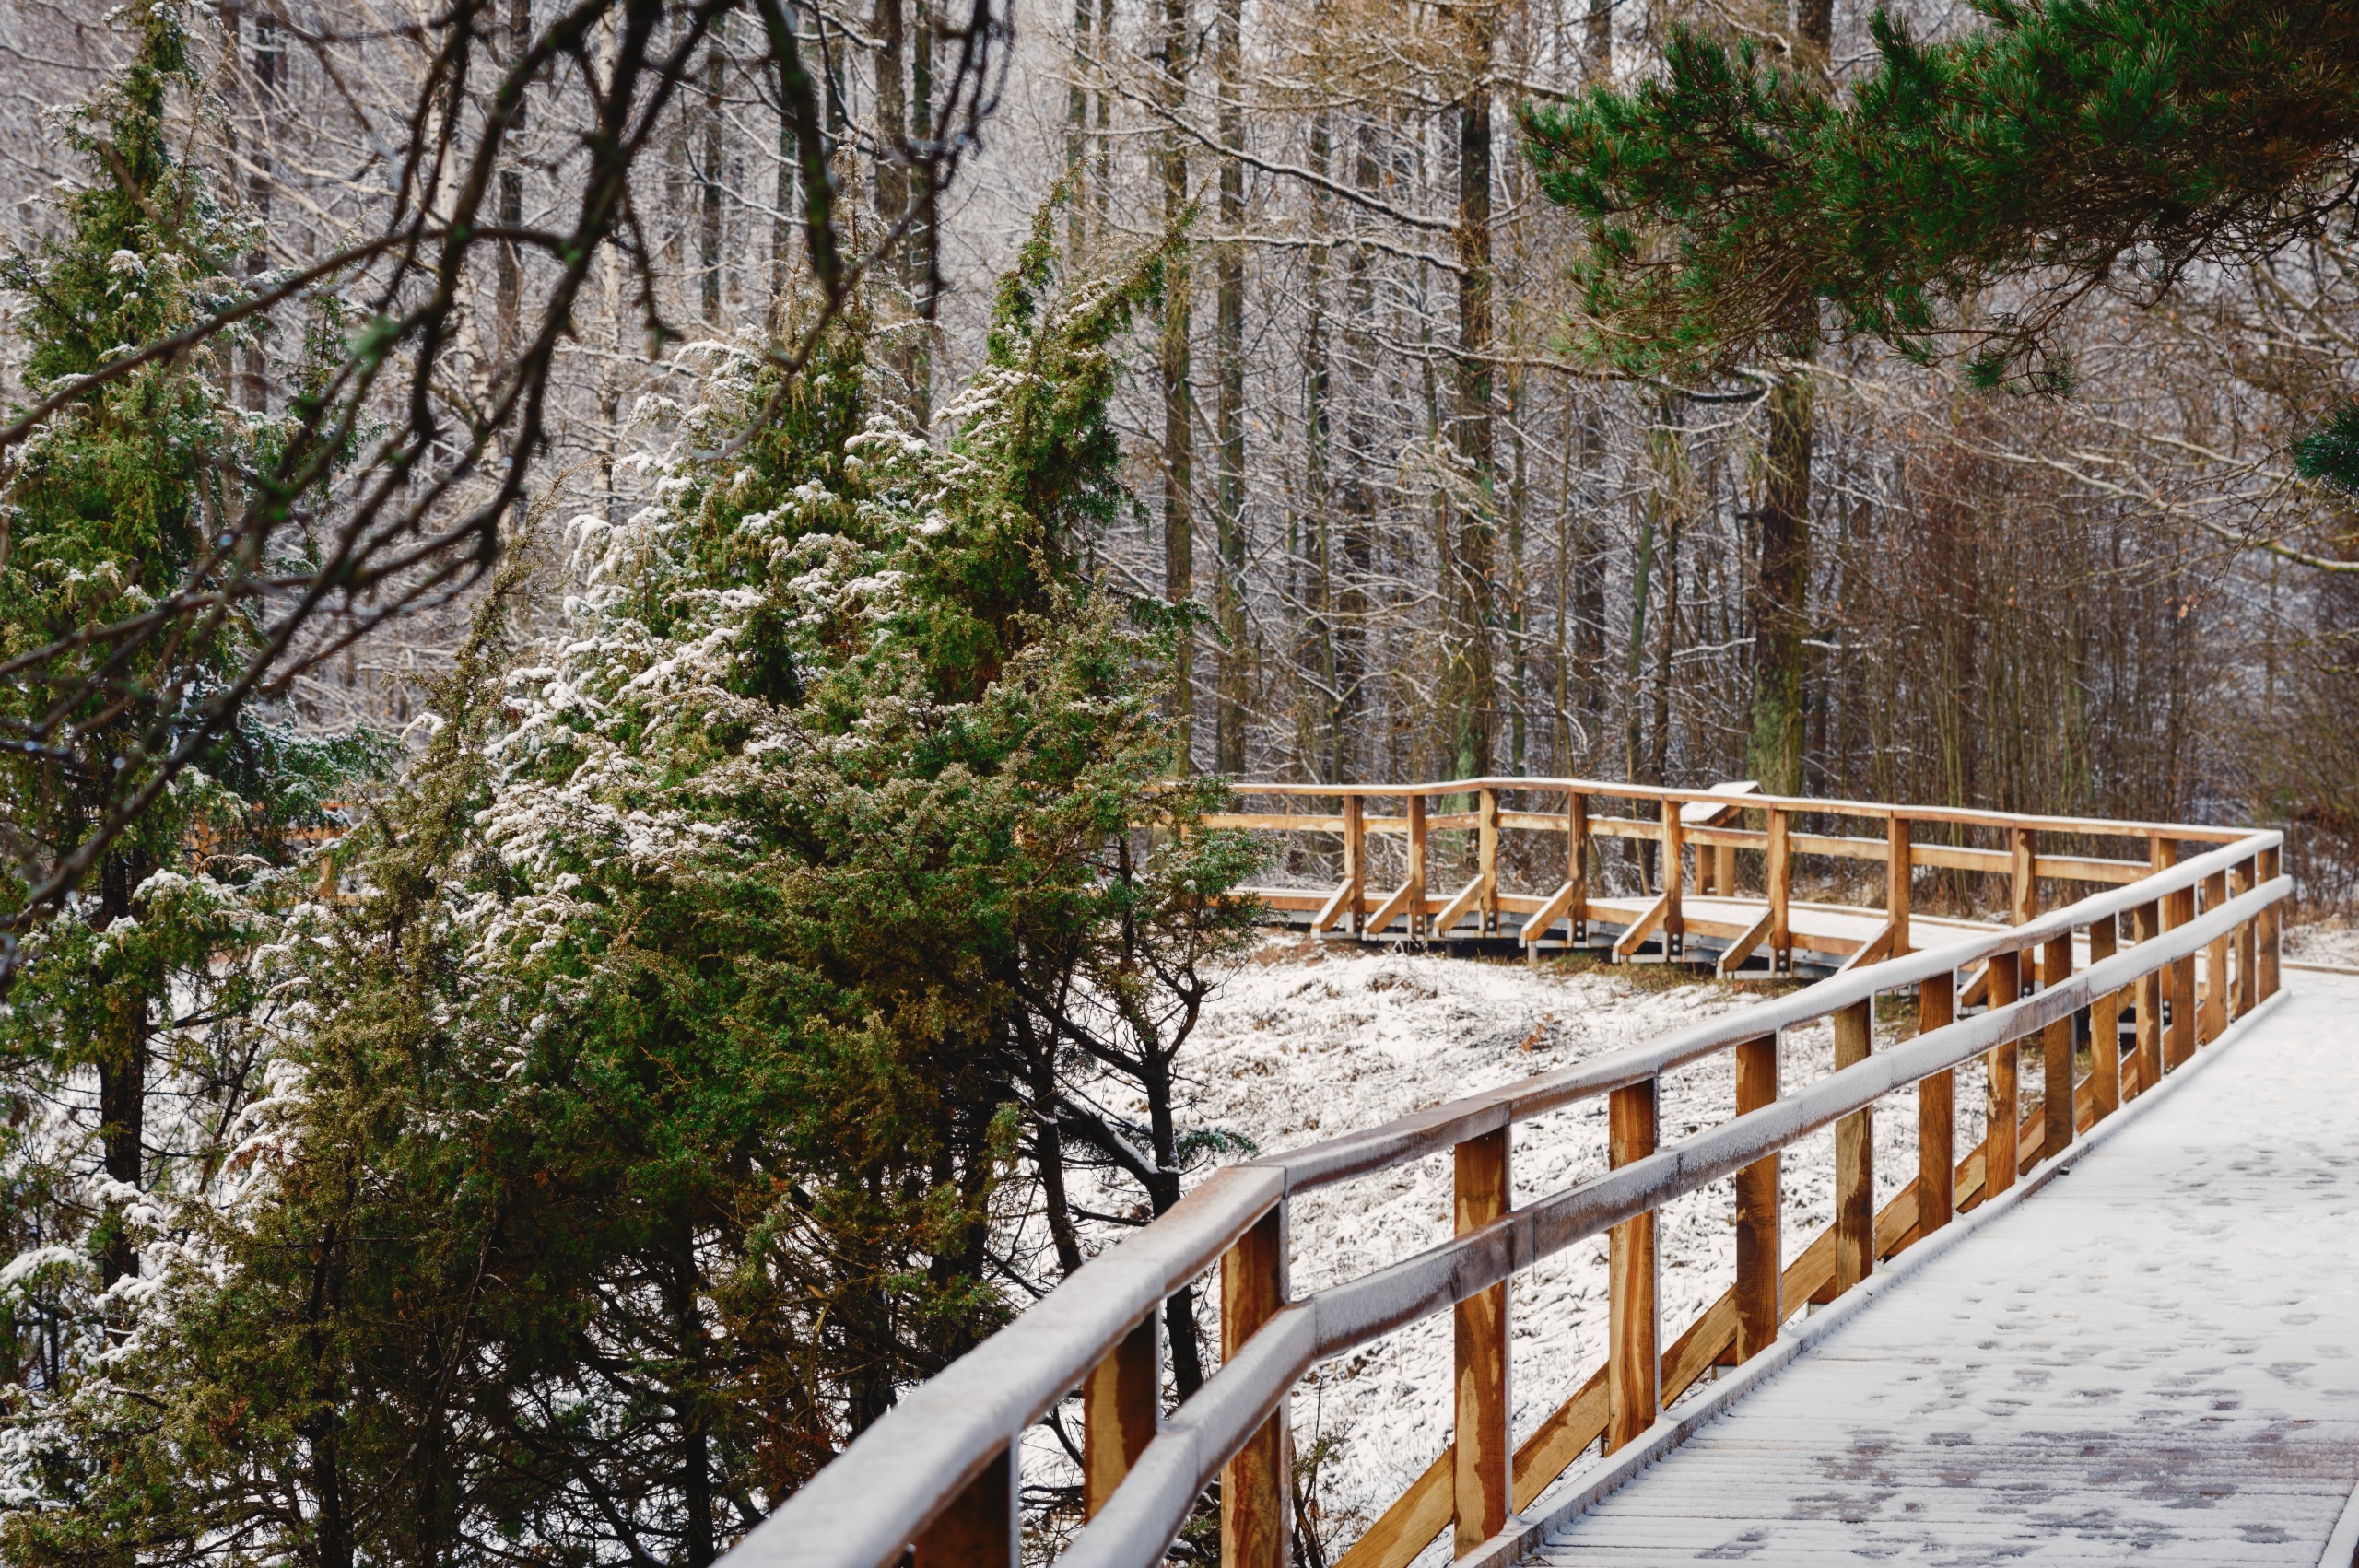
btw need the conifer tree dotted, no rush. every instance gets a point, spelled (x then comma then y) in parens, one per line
(2060, 146)
(126, 1047)
(663, 1100)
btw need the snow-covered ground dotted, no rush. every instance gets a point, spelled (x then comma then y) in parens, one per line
(1307, 1039)
(2331, 941)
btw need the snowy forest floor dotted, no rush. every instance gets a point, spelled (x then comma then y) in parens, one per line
(1307, 1039)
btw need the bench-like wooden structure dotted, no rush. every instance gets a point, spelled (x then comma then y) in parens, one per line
(939, 1472)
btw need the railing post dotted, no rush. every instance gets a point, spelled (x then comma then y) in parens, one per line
(1899, 863)
(1254, 1485)
(1418, 911)
(2024, 900)
(2213, 1018)
(1355, 862)
(1482, 1447)
(1576, 863)
(2056, 1054)
(1778, 876)
(1486, 856)
(1855, 1156)
(977, 1530)
(1119, 1405)
(2179, 1039)
(2243, 878)
(1760, 1302)
(1633, 1369)
(2001, 1145)
(1936, 1113)
(2271, 922)
(2145, 925)
(2105, 1025)
(1675, 924)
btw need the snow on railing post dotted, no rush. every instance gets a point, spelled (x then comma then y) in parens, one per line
(1118, 1406)
(1482, 1444)
(977, 1530)
(2000, 1153)
(1633, 1374)
(1253, 1485)
(1760, 1304)
(1855, 1156)
(2271, 923)
(1936, 1112)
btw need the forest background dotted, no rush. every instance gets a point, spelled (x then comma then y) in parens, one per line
(1272, 447)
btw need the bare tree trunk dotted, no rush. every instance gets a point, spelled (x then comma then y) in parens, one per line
(708, 238)
(1178, 410)
(1229, 408)
(1471, 706)
(1781, 616)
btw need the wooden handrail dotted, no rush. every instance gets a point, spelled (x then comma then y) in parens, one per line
(945, 1451)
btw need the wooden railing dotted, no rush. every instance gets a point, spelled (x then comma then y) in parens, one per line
(939, 1472)
(1699, 833)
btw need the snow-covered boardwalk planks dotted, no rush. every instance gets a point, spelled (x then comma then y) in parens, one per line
(2155, 1359)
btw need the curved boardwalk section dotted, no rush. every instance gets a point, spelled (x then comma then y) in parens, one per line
(2155, 1359)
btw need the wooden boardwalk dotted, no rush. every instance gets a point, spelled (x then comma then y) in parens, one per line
(2153, 1359)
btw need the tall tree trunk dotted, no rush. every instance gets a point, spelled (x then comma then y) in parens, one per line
(698, 1540)
(123, 1066)
(716, 64)
(1781, 611)
(925, 235)
(1598, 42)
(1178, 408)
(1471, 707)
(1229, 409)
(1317, 421)
(1781, 617)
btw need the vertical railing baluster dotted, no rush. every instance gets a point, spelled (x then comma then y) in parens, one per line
(1118, 1406)
(2056, 1054)
(2214, 1017)
(1255, 1486)
(1355, 862)
(2000, 1143)
(977, 1529)
(1577, 864)
(2024, 891)
(1760, 1298)
(1674, 923)
(2272, 929)
(1855, 1156)
(1486, 851)
(2179, 1038)
(2105, 1025)
(1484, 1452)
(1777, 875)
(1936, 1113)
(1898, 864)
(1633, 1370)
(2242, 879)
(1418, 911)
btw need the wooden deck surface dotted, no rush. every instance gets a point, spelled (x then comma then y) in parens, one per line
(2165, 1371)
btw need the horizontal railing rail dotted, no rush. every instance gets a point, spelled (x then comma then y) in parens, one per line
(939, 1471)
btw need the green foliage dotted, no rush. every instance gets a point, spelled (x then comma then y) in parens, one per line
(2330, 454)
(2062, 146)
(649, 1118)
